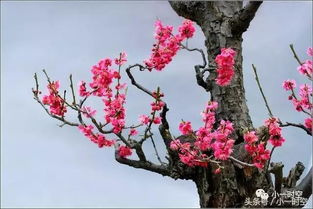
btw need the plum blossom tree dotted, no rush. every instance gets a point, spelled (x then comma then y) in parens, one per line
(227, 158)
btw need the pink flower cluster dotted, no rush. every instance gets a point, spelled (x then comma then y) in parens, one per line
(306, 67)
(88, 112)
(96, 138)
(185, 127)
(115, 111)
(302, 102)
(167, 44)
(289, 84)
(156, 106)
(124, 151)
(206, 138)
(103, 77)
(102, 81)
(274, 130)
(257, 150)
(55, 102)
(225, 66)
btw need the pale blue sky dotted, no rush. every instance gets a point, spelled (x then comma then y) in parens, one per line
(43, 165)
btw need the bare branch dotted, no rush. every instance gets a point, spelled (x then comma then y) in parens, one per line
(62, 119)
(294, 175)
(242, 20)
(240, 162)
(154, 147)
(308, 131)
(295, 54)
(261, 90)
(198, 50)
(133, 81)
(306, 185)
(72, 88)
(277, 170)
(146, 165)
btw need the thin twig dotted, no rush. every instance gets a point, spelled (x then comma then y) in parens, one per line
(261, 90)
(133, 81)
(240, 162)
(269, 160)
(198, 50)
(155, 149)
(72, 88)
(308, 131)
(295, 54)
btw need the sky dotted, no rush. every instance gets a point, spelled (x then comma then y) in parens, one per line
(43, 165)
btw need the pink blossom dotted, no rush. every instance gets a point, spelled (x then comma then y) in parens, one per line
(86, 130)
(306, 68)
(218, 170)
(277, 140)
(88, 112)
(187, 158)
(167, 44)
(82, 89)
(175, 144)
(115, 112)
(289, 84)
(185, 128)
(56, 103)
(157, 120)
(121, 60)
(211, 106)
(187, 29)
(124, 151)
(225, 66)
(144, 119)
(308, 123)
(133, 132)
(157, 105)
(103, 142)
(250, 137)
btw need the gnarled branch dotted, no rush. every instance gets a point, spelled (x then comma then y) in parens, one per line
(306, 185)
(243, 18)
(146, 165)
(277, 170)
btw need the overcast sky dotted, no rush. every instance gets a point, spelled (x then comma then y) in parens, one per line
(43, 165)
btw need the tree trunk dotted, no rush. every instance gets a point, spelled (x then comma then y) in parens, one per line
(233, 185)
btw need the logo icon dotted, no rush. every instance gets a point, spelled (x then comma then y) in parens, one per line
(262, 194)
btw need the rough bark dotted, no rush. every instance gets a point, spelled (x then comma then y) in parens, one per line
(223, 24)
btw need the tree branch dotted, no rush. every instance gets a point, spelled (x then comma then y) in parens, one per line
(146, 165)
(242, 20)
(277, 170)
(133, 81)
(261, 90)
(306, 185)
(294, 175)
(192, 10)
(308, 131)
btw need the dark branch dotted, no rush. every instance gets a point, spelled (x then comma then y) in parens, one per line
(192, 10)
(146, 165)
(294, 175)
(277, 170)
(133, 81)
(261, 90)
(200, 80)
(242, 20)
(306, 185)
(308, 131)
(164, 128)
